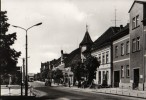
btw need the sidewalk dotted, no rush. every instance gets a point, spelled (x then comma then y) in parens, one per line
(114, 91)
(14, 90)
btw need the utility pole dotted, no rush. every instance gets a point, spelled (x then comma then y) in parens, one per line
(23, 69)
(26, 73)
(21, 83)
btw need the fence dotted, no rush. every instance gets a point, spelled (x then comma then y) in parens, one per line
(15, 90)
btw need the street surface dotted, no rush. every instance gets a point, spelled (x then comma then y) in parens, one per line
(63, 93)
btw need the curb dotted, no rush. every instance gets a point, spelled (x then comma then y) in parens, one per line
(94, 91)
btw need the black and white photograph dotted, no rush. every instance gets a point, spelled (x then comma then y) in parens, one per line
(73, 50)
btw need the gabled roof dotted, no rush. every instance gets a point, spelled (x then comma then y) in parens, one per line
(139, 1)
(105, 38)
(73, 56)
(86, 39)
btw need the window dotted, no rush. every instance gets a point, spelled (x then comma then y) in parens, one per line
(103, 58)
(133, 23)
(107, 75)
(116, 51)
(122, 71)
(122, 49)
(103, 75)
(138, 43)
(137, 21)
(127, 71)
(99, 77)
(83, 48)
(99, 58)
(133, 45)
(127, 47)
(107, 57)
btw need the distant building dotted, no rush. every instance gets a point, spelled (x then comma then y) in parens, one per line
(70, 62)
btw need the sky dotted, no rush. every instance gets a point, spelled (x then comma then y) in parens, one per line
(63, 25)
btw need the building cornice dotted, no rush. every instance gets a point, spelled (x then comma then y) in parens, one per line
(121, 60)
(122, 39)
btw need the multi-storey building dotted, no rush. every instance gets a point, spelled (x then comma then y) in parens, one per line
(137, 44)
(102, 49)
(129, 49)
(121, 58)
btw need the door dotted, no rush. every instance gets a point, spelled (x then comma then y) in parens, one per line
(136, 78)
(116, 78)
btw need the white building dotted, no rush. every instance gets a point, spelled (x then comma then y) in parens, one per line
(104, 70)
(102, 49)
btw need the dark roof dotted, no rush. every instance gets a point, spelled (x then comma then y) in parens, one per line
(73, 56)
(56, 62)
(136, 2)
(65, 55)
(121, 33)
(105, 38)
(86, 39)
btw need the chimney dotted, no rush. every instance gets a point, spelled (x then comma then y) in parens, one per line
(61, 56)
(121, 27)
(61, 51)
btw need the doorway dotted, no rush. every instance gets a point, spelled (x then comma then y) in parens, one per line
(116, 78)
(136, 78)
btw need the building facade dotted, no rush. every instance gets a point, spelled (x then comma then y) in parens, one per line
(102, 49)
(104, 70)
(121, 58)
(137, 44)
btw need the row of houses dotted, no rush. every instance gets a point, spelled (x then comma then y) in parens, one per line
(121, 52)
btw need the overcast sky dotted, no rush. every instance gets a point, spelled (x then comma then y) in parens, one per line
(64, 24)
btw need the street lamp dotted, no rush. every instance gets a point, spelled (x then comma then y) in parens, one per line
(26, 79)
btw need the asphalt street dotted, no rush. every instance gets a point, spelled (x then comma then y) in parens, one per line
(63, 93)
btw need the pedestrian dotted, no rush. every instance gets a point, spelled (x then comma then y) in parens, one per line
(79, 84)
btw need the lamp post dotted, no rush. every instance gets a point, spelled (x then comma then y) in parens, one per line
(26, 78)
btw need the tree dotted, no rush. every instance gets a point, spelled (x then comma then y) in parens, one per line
(79, 71)
(57, 75)
(8, 56)
(91, 64)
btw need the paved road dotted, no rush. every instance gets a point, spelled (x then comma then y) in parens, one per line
(62, 93)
